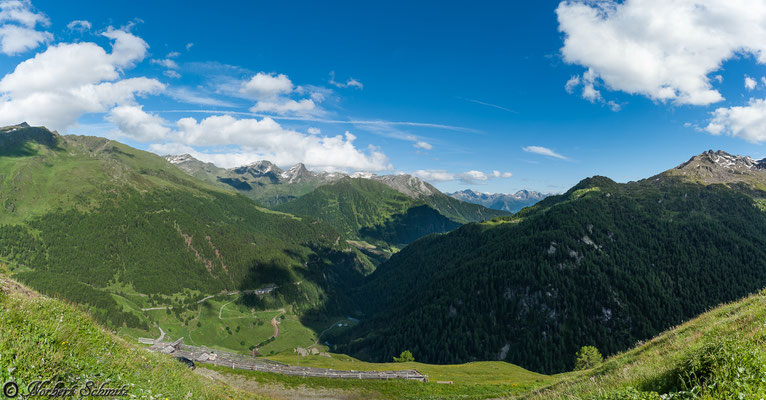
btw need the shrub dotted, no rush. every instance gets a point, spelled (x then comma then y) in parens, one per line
(406, 356)
(587, 357)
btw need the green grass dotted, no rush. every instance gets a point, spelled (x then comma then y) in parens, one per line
(718, 355)
(475, 373)
(42, 338)
(397, 389)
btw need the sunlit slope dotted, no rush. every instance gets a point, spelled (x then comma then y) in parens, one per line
(718, 355)
(369, 210)
(84, 215)
(44, 339)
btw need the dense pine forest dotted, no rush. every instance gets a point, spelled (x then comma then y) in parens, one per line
(604, 264)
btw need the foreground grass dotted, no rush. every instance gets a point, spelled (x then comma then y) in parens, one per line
(45, 339)
(718, 355)
(379, 389)
(475, 373)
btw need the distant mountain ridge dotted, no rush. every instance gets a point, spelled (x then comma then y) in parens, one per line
(500, 201)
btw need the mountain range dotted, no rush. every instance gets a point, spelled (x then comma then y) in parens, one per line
(604, 264)
(122, 231)
(387, 210)
(500, 201)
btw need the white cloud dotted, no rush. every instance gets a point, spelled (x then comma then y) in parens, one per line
(171, 74)
(266, 86)
(469, 177)
(314, 131)
(79, 25)
(67, 80)
(351, 82)
(286, 106)
(272, 91)
(18, 27)
(662, 49)
(543, 151)
(423, 145)
(746, 122)
(189, 46)
(134, 123)
(186, 95)
(166, 62)
(173, 54)
(266, 139)
(750, 83)
(572, 83)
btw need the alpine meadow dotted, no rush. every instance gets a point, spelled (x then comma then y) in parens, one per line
(562, 199)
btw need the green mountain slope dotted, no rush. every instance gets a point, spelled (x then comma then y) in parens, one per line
(93, 221)
(369, 210)
(44, 339)
(718, 355)
(605, 264)
(270, 185)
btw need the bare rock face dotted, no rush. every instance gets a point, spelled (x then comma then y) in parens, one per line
(407, 185)
(720, 167)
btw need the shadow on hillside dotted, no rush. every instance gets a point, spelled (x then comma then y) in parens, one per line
(317, 291)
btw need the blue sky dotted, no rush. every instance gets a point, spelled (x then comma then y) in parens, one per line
(449, 91)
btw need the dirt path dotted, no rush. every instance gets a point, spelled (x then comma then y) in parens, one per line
(221, 310)
(275, 322)
(157, 308)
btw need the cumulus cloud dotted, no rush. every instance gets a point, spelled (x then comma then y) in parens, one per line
(272, 91)
(750, 83)
(468, 177)
(265, 139)
(67, 80)
(79, 25)
(134, 123)
(265, 86)
(746, 122)
(664, 50)
(543, 151)
(423, 145)
(18, 23)
(171, 74)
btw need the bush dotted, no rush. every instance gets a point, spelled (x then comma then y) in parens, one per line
(406, 356)
(587, 357)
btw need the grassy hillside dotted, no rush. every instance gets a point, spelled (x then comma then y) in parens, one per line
(605, 264)
(45, 339)
(482, 380)
(369, 210)
(718, 355)
(97, 222)
(461, 211)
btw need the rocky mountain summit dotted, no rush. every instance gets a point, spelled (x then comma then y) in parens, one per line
(712, 167)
